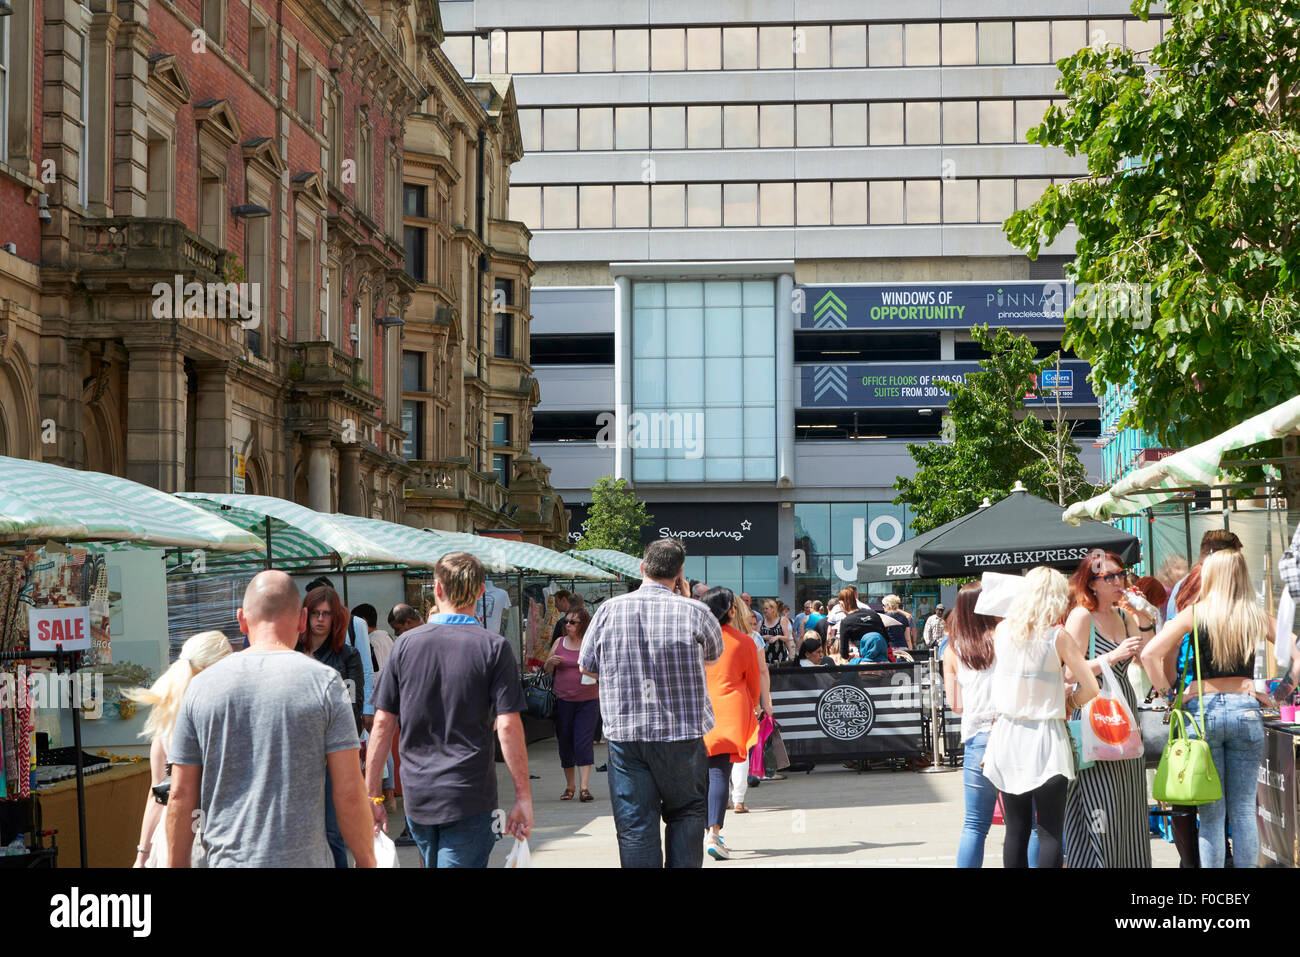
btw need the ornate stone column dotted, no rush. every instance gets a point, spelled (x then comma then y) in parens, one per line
(155, 416)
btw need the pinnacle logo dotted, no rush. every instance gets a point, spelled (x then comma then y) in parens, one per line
(830, 312)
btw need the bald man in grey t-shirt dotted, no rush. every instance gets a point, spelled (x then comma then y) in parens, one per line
(253, 738)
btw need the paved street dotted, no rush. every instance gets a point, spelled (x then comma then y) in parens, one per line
(830, 818)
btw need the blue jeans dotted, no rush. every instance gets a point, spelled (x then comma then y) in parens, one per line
(334, 836)
(1235, 733)
(464, 843)
(653, 779)
(981, 795)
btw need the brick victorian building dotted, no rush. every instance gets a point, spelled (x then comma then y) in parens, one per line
(207, 286)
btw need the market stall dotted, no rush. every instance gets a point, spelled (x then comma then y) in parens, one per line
(54, 610)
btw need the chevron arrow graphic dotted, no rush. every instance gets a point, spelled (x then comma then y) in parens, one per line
(831, 379)
(830, 312)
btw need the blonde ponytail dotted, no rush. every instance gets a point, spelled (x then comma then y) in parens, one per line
(164, 696)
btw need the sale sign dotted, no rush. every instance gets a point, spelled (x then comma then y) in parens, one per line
(48, 628)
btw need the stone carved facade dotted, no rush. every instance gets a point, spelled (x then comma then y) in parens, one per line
(154, 144)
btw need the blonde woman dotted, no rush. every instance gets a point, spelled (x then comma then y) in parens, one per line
(199, 652)
(1227, 623)
(1028, 756)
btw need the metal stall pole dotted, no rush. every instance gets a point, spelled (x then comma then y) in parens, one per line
(936, 728)
(77, 759)
(1187, 529)
(1151, 546)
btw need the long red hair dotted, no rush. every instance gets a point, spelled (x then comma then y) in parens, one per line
(1081, 593)
(339, 618)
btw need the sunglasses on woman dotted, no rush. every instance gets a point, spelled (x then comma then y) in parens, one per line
(1114, 578)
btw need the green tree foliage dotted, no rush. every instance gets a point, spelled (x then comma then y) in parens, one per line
(615, 518)
(993, 439)
(1192, 187)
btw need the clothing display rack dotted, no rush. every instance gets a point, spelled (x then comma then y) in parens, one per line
(72, 660)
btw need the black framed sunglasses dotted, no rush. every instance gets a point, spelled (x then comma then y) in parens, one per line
(1114, 578)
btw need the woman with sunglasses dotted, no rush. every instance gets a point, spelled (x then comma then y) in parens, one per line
(577, 705)
(1106, 822)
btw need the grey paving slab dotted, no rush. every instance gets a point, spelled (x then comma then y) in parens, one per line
(832, 817)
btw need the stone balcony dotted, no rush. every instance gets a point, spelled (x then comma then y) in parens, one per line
(454, 479)
(137, 244)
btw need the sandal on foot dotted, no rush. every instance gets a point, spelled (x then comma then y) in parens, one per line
(584, 796)
(740, 809)
(567, 795)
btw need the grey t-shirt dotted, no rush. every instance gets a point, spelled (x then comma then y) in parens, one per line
(260, 724)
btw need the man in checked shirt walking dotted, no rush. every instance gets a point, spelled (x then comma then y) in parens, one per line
(649, 648)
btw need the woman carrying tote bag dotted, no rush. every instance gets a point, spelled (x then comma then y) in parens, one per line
(1227, 623)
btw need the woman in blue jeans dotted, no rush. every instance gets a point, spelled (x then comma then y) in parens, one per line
(1226, 624)
(968, 670)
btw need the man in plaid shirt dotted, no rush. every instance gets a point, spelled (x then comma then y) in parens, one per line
(649, 648)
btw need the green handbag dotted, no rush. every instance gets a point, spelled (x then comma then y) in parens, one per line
(1187, 774)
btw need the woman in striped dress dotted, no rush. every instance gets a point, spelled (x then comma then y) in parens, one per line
(1106, 822)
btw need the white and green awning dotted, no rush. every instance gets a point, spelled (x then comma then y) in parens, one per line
(405, 540)
(298, 535)
(1198, 465)
(524, 556)
(609, 559)
(39, 500)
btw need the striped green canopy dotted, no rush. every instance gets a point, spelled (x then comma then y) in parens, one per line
(1198, 465)
(39, 500)
(406, 540)
(298, 532)
(523, 555)
(609, 559)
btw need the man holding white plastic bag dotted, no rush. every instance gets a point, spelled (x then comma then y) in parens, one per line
(449, 683)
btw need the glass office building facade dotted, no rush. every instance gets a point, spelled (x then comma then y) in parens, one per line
(726, 201)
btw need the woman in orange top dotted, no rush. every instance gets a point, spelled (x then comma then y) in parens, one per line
(733, 691)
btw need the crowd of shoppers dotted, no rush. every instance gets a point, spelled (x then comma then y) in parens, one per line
(680, 675)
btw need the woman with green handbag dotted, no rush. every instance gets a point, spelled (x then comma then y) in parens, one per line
(1226, 623)
(1106, 821)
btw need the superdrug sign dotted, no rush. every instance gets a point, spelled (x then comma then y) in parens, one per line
(718, 528)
